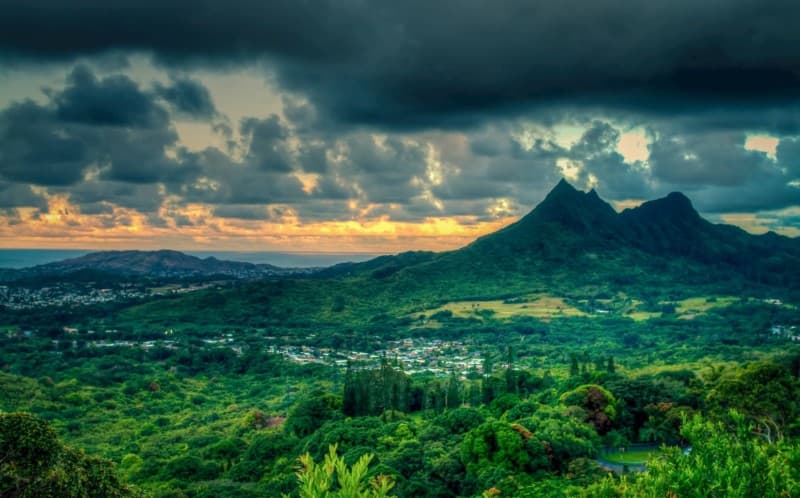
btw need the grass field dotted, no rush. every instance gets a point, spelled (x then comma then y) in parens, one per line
(686, 309)
(640, 316)
(632, 456)
(541, 306)
(696, 305)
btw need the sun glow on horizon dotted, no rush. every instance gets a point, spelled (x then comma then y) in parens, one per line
(195, 227)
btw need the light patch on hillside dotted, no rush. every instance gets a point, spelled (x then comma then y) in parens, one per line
(541, 306)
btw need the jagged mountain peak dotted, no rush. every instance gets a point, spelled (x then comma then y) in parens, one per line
(562, 187)
(566, 192)
(566, 213)
(573, 208)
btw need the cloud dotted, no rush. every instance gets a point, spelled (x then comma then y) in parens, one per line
(787, 153)
(267, 148)
(714, 158)
(386, 170)
(112, 101)
(418, 63)
(14, 195)
(98, 196)
(769, 194)
(245, 212)
(219, 179)
(603, 166)
(107, 125)
(188, 98)
(35, 149)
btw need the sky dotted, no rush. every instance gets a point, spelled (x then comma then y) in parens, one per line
(385, 126)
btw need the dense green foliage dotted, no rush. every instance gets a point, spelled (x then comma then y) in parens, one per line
(206, 430)
(334, 479)
(33, 463)
(722, 462)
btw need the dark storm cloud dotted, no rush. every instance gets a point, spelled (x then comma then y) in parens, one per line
(706, 159)
(109, 123)
(267, 147)
(313, 156)
(788, 154)
(113, 101)
(333, 187)
(475, 184)
(326, 210)
(141, 156)
(183, 30)
(604, 167)
(387, 171)
(188, 97)
(94, 196)
(494, 164)
(770, 193)
(712, 167)
(301, 114)
(417, 62)
(218, 179)
(492, 141)
(104, 142)
(18, 195)
(34, 148)
(243, 212)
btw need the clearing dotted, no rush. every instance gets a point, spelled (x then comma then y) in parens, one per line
(541, 306)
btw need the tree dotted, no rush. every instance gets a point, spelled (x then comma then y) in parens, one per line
(574, 368)
(765, 392)
(494, 443)
(459, 420)
(598, 402)
(34, 463)
(453, 392)
(317, 480)
(372, 392)
(349, 397)
(495, 453)
(313, 411)
(721, 464)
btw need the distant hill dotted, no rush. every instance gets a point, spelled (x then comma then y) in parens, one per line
(162, 264)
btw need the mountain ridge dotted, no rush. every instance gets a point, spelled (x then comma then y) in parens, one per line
(575, 232)
(573, 245)
(569, 231)
(587, 213)
(163, 263)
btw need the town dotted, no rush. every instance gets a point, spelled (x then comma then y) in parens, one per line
(63, 294)
(414, 356)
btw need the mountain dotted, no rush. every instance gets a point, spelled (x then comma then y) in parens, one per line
(576, 235)
(162, 264)
(566, 217)
(573, 244)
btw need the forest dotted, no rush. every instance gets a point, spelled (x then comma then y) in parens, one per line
(547, 411)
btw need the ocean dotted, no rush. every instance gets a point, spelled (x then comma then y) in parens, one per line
(23, 258)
